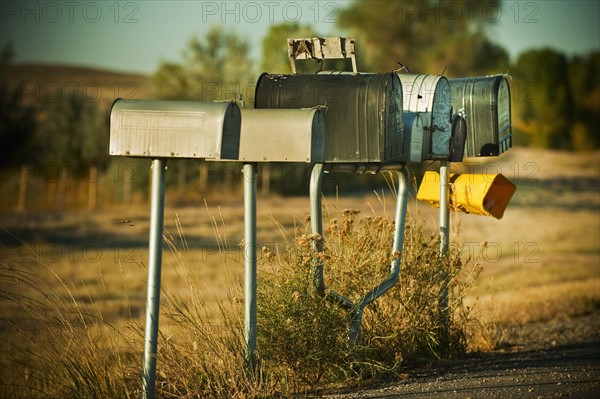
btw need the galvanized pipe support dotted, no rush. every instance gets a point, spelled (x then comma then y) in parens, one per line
(356, 310)
(154, 272)
(249, 171)
(444, 239)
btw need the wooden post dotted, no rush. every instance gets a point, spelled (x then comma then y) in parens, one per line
(23, 180)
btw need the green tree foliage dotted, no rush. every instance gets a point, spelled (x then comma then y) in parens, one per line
(427, 36)
(74, 131)
(216, 68)
(556, 100)
(545, 110)
(17, 119)
(584, 81)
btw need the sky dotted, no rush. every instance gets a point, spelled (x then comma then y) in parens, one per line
(135, 36)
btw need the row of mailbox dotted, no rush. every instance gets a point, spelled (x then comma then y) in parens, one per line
(330, 117)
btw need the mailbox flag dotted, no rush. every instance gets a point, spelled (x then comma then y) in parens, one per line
(481, 194)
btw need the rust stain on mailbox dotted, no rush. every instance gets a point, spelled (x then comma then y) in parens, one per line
(363, 112)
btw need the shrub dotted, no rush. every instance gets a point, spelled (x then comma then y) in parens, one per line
(56, 341)
(306, 336)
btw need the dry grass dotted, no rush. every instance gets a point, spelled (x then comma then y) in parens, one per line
(73, 294)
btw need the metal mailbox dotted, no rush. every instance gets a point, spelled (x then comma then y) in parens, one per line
(363, 113)
(175, 129)
(431, 94)
(282, 135)
(486, 102)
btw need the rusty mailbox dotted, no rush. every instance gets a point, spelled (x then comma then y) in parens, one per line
(486, 102)
(175, 129)
(363, 112)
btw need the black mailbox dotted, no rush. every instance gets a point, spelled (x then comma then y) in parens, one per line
(363, 113)
(486, 104)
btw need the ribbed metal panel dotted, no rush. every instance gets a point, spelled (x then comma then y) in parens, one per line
(363, 113)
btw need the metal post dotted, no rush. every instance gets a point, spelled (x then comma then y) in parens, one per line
(154, 270)
(250, 262)
(355, 311)
(444, 237)
(316, 224)
(397, 243)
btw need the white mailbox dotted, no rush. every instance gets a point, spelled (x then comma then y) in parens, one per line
(282, 135)
(431, 94)
(175, 129)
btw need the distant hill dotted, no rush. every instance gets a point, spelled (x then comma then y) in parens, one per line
(48, 82)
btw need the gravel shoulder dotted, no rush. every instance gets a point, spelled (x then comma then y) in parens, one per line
(554, 359)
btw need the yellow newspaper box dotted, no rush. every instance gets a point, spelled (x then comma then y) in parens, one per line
(481, 194)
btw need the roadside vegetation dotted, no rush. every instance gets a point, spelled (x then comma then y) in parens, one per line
(60, 339)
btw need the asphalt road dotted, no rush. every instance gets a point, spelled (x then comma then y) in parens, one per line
(557, 359)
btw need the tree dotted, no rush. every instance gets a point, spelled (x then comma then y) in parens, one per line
(17, 125)
(74, 133)
(427, 36)
(584, 82)
(17, 119)
(544, 102)
(215, 68)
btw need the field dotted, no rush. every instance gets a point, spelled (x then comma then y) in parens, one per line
(540, 263)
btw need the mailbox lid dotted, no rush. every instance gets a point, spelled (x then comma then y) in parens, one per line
(486, 102)
(431, 94)
(282, 135)
(363, 112)
(175, 129)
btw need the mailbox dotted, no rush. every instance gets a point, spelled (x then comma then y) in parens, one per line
(431, 94)
(363, 112)
(486, 102)
(481, 194)
(175, 129)
(282, 135)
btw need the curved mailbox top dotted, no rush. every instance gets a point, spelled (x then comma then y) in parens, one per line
(486, 103)
(363, 112)
(431, 94)
(282, 135)
(175, 129)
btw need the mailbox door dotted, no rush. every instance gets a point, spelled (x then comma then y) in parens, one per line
(486, 101)
(431, 94)
(414, 137)
(363, 113)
